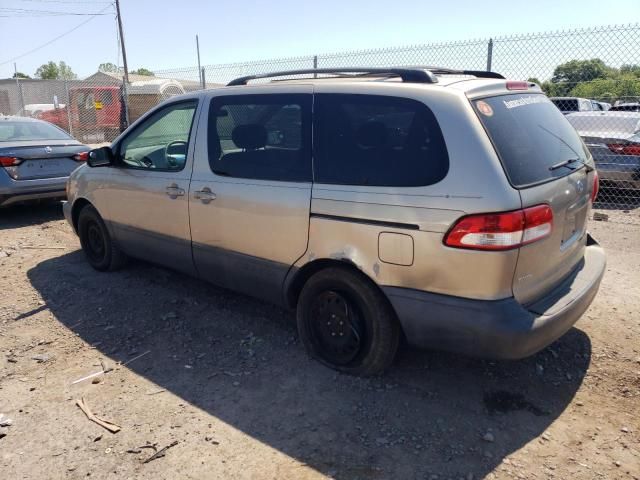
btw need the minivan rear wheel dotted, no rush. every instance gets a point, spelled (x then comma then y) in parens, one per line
(100, 249)
(346, 323)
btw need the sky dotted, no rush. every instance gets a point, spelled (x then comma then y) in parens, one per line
(161, 34)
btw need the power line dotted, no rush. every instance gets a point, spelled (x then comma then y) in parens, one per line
(56, 38)
(19, 12)
(68, 2)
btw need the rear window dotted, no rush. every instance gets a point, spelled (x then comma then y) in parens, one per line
(24, 131)
(530, 135)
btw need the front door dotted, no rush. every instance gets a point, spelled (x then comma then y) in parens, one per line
(147, 199)
(251, 190)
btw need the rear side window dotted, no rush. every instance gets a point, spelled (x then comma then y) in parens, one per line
(530, 135)
(377, 141)
(265, 137)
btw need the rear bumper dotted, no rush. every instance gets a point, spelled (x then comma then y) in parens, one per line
(15, 191)
(501, 328)
(66, 209)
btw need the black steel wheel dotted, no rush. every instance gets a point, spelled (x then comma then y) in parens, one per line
(100, 249)
(346, 323)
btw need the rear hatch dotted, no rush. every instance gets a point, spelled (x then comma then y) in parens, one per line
(545, 159)
(38, 159)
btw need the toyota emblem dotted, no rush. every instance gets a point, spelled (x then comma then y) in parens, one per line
(47, 150)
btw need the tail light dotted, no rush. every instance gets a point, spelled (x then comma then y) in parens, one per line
(624, 148)
(81, 157)
(596, 186)
(10, 161)
(501, 231)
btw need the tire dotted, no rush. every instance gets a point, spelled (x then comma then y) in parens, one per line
(346, 323)
(100, 249)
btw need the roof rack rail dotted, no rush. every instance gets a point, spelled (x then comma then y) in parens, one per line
(409, 75)
(475, 73)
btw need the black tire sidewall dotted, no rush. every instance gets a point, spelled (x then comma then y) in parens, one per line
(89, 216)
(377, 317)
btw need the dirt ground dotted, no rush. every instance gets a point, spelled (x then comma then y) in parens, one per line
(224, 376)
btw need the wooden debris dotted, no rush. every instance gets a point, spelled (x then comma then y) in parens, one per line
(160, 453)
(112, 427)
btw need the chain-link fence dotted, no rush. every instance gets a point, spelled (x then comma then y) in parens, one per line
(593, 76)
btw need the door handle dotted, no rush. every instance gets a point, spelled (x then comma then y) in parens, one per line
(174, 191)
(205, 195)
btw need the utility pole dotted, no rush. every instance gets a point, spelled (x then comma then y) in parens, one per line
(125, 82)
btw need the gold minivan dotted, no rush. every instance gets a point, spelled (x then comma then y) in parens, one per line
(448, 207)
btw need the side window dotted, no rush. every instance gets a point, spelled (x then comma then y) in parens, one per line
(161, 142)
(265, 137)
(377, 141)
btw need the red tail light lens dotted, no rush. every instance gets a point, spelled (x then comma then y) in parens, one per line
(624, 149)
(596, 186)
(81, 157)
(501, 231)
(517, 85)
(10, 161)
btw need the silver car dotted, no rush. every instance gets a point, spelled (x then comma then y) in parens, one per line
(36, 159)
(614, 141)
(448, 207)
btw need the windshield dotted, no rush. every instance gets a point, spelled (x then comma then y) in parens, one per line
(530, 136)
(12, 131)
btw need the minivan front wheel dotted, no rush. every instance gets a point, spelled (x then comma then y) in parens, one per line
(101, 251)
(345, 322)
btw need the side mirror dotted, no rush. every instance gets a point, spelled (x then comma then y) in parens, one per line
(101, 157)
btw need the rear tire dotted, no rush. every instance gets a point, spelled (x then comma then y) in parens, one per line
(100, 249)
(346, 323)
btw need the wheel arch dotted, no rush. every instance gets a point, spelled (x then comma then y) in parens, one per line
(77, 207)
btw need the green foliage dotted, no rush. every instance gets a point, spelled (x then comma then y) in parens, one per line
(108, 67)
(53, 71)
(142, 71)
(621, 86)
(20, 75)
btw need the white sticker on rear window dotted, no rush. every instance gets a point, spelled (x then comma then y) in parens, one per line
(523, 101)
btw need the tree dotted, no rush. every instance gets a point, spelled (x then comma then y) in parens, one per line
(632, 69)
(142, 71)
(53, 71)
(567, 75)
(20, 75)
(108, 67)
(622, 87)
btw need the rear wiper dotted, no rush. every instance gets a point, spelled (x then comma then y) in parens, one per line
(565, 163)
(569, 162)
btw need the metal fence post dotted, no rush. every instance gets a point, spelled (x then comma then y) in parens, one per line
(315, 65)
(204, 78)
(489, 54)
(15, 68)
(68, 106)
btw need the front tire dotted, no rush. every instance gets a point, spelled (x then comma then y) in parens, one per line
(100, 249)
(346, 323)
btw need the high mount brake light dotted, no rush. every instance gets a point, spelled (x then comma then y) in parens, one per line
(517, 85)
(501, 231)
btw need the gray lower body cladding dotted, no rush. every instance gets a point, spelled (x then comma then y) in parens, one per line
(502, 328)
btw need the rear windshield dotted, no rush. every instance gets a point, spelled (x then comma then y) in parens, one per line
(530, 135)
(18, 131)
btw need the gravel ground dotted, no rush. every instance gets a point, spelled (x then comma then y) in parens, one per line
(225, 377)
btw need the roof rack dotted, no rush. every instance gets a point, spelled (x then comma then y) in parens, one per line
(409, 75)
